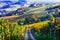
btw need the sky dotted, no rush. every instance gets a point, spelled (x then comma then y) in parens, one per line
(10, 0)
(34, 0)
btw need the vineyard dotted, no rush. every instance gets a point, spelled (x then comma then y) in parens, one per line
(13, 31)
(44, 28)
(10, 31)
(48, 31)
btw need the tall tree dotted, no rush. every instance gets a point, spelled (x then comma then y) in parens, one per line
(51, 18)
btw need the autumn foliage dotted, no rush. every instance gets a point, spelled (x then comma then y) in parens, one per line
(57, 20)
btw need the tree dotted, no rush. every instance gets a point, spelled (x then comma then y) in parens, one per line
(31, 5)
(51, 18)
(29, 20)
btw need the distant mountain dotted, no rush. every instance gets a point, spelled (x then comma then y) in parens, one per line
(5, 4)
(21, 2)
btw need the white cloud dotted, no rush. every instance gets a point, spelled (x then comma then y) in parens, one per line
(32, 1)
(2, 4)
(14, 0)
(10, 0)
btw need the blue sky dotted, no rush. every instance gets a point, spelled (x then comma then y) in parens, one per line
(10, 0)
(34, 0)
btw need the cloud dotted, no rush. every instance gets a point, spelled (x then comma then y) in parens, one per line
(10, 0)
(32, 1)
(14, 0)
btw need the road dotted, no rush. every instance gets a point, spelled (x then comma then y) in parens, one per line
(26, 35)
(29, 35)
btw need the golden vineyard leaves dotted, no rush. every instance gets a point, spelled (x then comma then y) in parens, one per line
(58, 20)
(38, 25)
